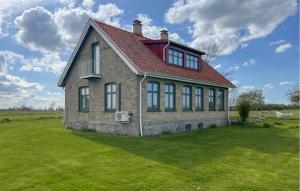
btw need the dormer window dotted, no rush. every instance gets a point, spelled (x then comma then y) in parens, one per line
(192, 62)
(175, 57)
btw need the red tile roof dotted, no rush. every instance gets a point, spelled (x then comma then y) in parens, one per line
(145, 60)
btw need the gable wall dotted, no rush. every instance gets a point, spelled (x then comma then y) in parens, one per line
(113, 69)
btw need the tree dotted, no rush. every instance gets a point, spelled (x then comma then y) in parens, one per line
(294, 95)
(244, 110)
(211, 52)
(254, 97)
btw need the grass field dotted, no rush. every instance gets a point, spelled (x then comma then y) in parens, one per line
(38, 153)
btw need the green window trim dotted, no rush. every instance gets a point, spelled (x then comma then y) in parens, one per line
(199, 99)
(83, 99)
(95, 61)
(153, 96)
(110, 97)
(212, 99)
(187, 98)
(221, 100)
(170, 97)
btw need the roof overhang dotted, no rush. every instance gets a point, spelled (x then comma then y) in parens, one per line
(91, 23)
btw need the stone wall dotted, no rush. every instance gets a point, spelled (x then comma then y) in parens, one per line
(164, 121)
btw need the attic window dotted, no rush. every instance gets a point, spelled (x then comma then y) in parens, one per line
(175, 57)
(192, 62)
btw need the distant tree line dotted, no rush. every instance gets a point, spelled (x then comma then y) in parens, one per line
(29, 108)
(256, 101)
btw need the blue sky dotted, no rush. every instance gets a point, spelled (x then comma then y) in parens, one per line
(258, 41)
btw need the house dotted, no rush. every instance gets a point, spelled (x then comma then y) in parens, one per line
(121, 82)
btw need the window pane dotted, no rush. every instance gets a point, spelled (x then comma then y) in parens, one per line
(155, 100)
(149, 100)
(166, 101)
(108, 88)
(114, 88)
(108, 102)
(113, 105)
(155, 87)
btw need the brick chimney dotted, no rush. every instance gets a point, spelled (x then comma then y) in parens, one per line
(137, 27)
(164, 35)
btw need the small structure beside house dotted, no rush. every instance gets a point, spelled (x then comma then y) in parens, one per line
(121, 82)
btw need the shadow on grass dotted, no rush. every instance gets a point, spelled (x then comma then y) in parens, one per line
(185, 150)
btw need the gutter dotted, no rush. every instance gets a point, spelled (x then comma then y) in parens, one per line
(141, 110)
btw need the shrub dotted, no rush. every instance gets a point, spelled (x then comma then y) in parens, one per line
(212, 125)
(5, 120)
(277, 123)
(267, 125)
(244, 109)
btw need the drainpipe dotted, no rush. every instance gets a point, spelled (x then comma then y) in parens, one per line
(229, 122)
(141, 110)
(164, 51)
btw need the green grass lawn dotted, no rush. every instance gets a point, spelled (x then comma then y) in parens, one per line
(40, 154)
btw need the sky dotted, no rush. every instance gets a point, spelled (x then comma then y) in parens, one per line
(258, 41)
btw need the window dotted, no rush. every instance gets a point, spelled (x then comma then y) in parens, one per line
(153, 96)
(96, 58)
(221, 100)
(192, 61)
(175, 57)
(186, 98)
(211, 99)
(110, 97)
(199, 98)
(84, 97)
(170, 97)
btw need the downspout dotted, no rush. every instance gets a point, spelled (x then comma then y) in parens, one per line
(164, 51)
(141, 110)
(228, 109)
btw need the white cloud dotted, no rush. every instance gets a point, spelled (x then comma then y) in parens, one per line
(269, 86)
(11, 84)
(68, 3)
(276, 42)
(250, 62)
(246, 88)
(88, 3)
(38, 30)
(47, 63)
(229, 23)
(283, 47)
(153, 31)
(244, 45)
(218, 66)
(16, 91)
(231, 70)
(10, 8)
(285, 83)
(9, 59)
(70, 23)
(235, 82)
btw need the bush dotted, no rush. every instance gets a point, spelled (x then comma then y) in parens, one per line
(277, 123)
(244, 110)
(5, 120)
(212, 125)
(267, 125)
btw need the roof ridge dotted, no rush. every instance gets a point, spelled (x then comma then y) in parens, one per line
(120, 29)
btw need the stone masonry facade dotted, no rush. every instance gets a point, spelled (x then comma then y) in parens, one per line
(113, 69)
